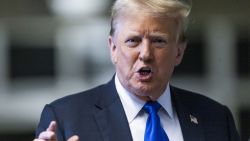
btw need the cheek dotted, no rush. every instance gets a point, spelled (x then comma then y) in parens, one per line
(128, 56)
(125, 65)
(126, 60)
(166, 62)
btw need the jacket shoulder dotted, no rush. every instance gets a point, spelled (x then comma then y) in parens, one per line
(83, 98)
(212, 114)
(194, 99)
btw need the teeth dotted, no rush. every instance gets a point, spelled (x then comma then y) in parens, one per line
(145, 70)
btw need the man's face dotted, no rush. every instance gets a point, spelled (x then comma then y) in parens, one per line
(145, 52)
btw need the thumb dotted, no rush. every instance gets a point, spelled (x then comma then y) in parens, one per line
(74, 138)
(52, 126)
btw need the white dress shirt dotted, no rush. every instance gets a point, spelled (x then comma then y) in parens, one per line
(137, 117)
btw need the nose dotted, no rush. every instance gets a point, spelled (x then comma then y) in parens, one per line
(146, 52)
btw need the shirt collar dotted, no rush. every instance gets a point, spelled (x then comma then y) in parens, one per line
(166, 102)
(132, 105)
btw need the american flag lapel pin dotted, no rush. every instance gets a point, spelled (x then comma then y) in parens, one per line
(193, 119)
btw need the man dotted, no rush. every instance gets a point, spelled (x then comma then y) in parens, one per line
(146, 43)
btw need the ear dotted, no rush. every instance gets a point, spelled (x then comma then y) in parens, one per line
(112, 49)
(180, 52)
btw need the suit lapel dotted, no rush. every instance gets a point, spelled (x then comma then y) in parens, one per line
(110, 116)
(190, 121)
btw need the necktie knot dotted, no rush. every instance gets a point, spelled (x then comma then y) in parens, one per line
(152, 107)
(154, 131)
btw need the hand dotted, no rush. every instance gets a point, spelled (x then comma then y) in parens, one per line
(50, 134)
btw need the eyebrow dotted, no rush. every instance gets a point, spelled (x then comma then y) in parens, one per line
(152, 34)
(158, 34)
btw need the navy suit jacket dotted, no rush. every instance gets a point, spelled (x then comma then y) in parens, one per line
(98, 115)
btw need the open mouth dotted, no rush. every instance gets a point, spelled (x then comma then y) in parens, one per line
(144, 74)
(145, 71)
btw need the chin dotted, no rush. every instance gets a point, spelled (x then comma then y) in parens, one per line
(142, 88)
(144, 91)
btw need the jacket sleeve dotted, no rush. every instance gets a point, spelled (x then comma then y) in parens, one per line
(233, 133)
(47, 116)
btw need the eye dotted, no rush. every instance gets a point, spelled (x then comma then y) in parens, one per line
(133, 42)
(159, 41)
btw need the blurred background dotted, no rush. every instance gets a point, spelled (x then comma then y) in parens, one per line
(53, 48)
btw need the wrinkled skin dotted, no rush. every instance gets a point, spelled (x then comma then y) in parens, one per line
(149, 43)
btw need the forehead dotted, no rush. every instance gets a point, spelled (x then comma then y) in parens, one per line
(142, 23)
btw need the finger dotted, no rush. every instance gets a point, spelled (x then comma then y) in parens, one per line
(47, 135)
(74, 138)
(42, 140)
(38, 140)
(52, 126)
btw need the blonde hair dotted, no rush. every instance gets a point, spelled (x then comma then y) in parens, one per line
(159, 8)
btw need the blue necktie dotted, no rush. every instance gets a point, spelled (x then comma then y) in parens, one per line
(154, 131)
